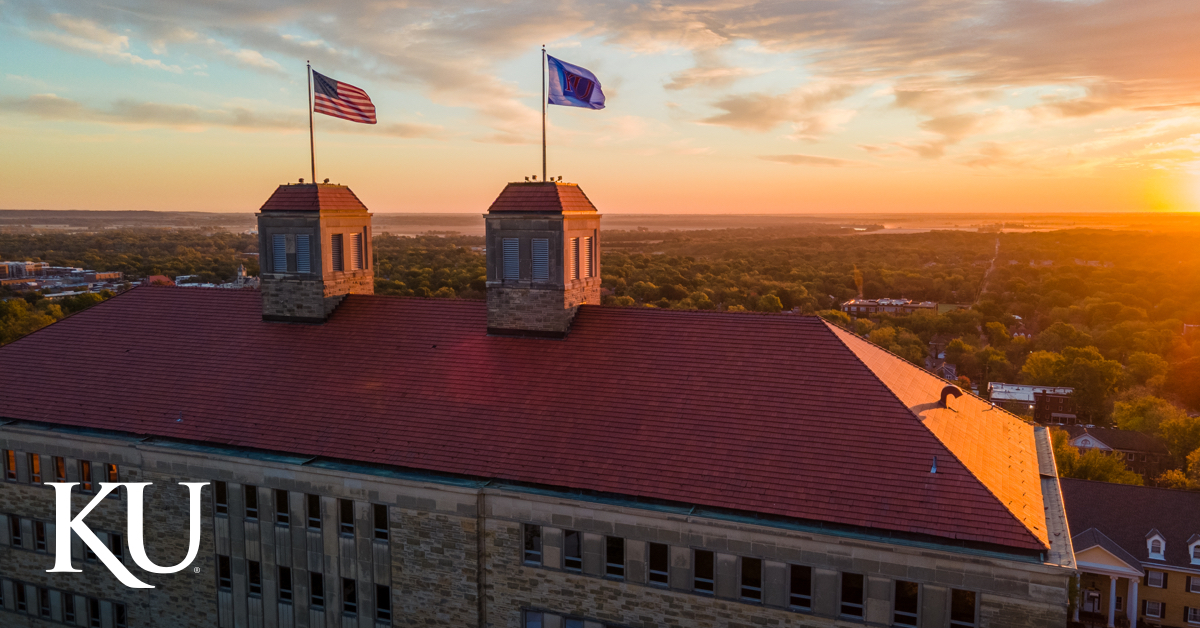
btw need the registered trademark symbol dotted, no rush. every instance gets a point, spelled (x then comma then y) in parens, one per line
(197, 570)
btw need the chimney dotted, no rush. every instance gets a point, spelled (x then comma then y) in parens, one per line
(543, 258)
(314, 243)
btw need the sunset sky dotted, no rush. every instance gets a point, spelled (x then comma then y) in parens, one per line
(728, 106)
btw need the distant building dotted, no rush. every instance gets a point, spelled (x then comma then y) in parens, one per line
(867, 307)
(1049, 405)
(25, 269)
(158, 280)
(1142, 453)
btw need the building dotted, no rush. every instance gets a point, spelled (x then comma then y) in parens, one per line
(1138, 551)
(1048, 405)
(897, 307)
(25, 269)
(1142, 453)
(535, 460)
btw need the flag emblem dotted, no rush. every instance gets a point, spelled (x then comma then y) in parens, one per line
(573, 86)
(341, 100)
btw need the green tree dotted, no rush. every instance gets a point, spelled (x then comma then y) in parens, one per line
(997, 334)
(837, 317)
(1093, 377)
(1041, 368)
(1092, 465)
(1144, 414)
(1181, 433)
(769, 303)
(18, 317)
(1146, 369)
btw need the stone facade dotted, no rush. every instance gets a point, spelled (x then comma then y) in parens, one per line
(454, 552)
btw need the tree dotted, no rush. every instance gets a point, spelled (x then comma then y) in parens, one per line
(1178, 480)
(769, 303)
(837, 317)
(18, 317)
(1181, 433)
(1146, 369)
(997, 334)
(1183, 380)
(1144, 414)
(1093, 377)
(1092, 465)
(993, 365)
(1041, 368)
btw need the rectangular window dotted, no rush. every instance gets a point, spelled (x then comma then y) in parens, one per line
(905, 606)
(120, 619)
(303, 254)
(39, 536)
(35, 469)
(534, 620)
(10, 465)
(660, 564)
(349, 596)
(43, 602)
(800, 587)
(254, 577)
(614, 556)
(116, 545)
(88, 554)
(1193, 615)
(314, 512)
(962, 608)
(68, 607)
(1153, 609)
(285, 584)
(585, 261)
(1155, 579)
(1194, 584)
(281, 507)
(22, 603)
(220, 498)
(752, 579)
(14, 530)
(540, 247)
(852, 595)
(279, 253)
(1119, 603)
(572, 551)
(85, 476)
(346, 517)
(316, 590)
(224, 574)
(251, 497)
(60, 469)
(532, 536)
(336, 252)
(356, 251)
(110, 472)
(511, 262)
(704, 569)
(383, 603)
(573, 260)
(94, 612)
(381, 521)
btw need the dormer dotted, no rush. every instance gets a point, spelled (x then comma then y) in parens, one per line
(1194, 549)
(1156, 545)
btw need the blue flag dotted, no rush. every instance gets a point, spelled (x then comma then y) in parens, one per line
(573, 86)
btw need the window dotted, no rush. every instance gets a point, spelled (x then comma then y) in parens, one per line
(88, 554)
(120, 620)
(510, 264)
(279, 253)
(224, 578)
(356, 251)
(800, 587)
(1151, 609)
(43, 602)
(60, 469)
(381, 521)
(752, 579)
(335, 251)
(534, 620)
(39, 536)
(10, 465)
(573, 623)
(346, 517)
(281, 507)
(1192, 615)
(704, 571)
(1196, 553)
(93, 612)
(285, 585)
(614, 556)
(905, 606)
(14, 530)
(35, 469)
(85, 476)
(585, 260)
(660, 564)
(115, 544)
(254, 577)
(1156, 579)
(110, 472)
(1120, 606)
(1193, 584)
(541, 259)
(852, 595)
(68, 608)
(532, 539)
(251, 493)
(573, 260)
(572, 551)
(316, 590)
(221, 498)
(349, 596)
(383, 603)
(314, 512)
(22, 603)
(962, 609)
(303, 254)
(1156, 547)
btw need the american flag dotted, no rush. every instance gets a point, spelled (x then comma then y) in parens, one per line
(341, 100)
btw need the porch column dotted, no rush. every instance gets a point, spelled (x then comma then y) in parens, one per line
(1078, 596)
(1112, 600)
(1131, 603)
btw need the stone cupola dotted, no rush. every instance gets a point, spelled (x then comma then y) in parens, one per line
(314, 243)
(543, 258)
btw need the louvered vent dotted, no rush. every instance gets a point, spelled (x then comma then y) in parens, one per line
(541, 259)
(356, 250)
(586, 261)
(512, 258)
(279, 253)
(574, 261)
(336, 251)
(303, 254)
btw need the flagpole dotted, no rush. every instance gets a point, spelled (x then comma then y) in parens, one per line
(543, 112)
(312, 151)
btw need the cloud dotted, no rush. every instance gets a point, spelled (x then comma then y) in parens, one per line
(709, 72)
(84, 35)
(810, 160)
(803, 106)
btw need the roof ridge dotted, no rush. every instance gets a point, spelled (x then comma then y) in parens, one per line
(921, 422)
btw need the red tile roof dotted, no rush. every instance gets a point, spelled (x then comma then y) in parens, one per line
(312, 197)
(541, 197)
(760, 413)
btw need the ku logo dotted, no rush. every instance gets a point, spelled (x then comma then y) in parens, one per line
(65, 525)
(577, 86)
